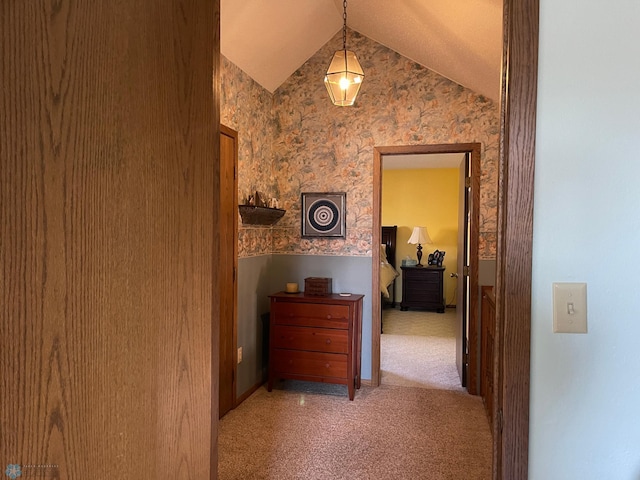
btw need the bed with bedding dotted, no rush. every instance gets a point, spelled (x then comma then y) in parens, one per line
(388, 272)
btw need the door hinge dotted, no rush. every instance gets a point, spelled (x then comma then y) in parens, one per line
(465, 270)
(500, 420)
(234, 274)
(467, 182)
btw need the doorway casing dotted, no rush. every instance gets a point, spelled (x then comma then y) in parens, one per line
(473, 150)
(227, 266)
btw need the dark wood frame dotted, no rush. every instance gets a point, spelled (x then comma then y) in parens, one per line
(343, 214)
(515, 239)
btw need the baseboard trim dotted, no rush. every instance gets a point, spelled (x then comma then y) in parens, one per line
(364, 382)
(247, 394)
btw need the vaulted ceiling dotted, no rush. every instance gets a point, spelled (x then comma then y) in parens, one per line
(459, 39)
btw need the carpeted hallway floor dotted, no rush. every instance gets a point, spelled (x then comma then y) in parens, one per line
(417, 349)
(305, 430)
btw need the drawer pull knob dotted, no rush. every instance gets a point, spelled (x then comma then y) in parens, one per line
(328, 341)
(326, 365)
(328, 317)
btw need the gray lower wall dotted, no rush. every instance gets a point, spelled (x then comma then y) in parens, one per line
(348, 274)
(254, 286)
(260, 276)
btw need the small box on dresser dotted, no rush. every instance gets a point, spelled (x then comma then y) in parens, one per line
(316, 338)
(317, 286)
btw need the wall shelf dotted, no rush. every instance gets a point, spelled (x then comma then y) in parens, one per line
(252, 215)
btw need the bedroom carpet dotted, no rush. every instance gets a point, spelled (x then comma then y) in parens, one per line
(426, 427)
(417, 349)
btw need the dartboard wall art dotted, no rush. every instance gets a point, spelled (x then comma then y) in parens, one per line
(323, 215)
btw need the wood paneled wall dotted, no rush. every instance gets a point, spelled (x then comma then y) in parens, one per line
(515, 239)
(108, 201)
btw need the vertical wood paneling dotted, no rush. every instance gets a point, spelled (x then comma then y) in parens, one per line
(515, 238)
(217, 246)
(108, 176)
(376, 317)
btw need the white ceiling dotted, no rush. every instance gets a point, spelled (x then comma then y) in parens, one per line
(459, 39)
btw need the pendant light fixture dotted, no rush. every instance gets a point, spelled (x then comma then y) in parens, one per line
(345, 75)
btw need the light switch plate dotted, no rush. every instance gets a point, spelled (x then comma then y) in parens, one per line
(569, 308)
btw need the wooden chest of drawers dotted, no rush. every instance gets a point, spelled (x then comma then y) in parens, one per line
(316, 339)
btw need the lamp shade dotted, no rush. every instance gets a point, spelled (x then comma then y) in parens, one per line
(419, 236)
(343, 78)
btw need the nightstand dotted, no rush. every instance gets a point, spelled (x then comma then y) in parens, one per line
(423, 287)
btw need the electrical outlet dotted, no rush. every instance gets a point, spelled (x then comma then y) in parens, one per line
(239, 354)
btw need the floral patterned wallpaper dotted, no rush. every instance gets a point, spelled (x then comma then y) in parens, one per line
(247, 108)
(314, 146)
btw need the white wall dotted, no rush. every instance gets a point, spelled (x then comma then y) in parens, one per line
(585, 389)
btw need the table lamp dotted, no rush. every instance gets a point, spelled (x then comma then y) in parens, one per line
(418, 237)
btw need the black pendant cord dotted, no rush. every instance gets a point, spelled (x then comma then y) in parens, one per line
(344, 26)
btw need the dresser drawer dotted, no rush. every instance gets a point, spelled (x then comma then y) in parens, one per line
(423, 275)
(313, 339)
(310, 315)
(309, 363)
(425, 289)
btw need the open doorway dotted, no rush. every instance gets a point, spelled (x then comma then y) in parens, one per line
(419, 318)
(467, 281)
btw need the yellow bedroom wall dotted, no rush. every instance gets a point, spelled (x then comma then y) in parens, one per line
(424, 197)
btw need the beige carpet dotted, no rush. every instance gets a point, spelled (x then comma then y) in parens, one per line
(417, 349)
(312, 431)
(304, 430)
